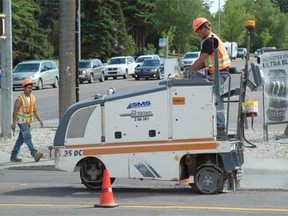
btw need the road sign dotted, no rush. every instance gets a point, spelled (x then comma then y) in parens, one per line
(162, 42)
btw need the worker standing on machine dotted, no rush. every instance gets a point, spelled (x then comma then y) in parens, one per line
(202, 28)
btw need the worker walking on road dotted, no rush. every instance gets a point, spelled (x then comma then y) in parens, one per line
(24, 109)
(202, 28)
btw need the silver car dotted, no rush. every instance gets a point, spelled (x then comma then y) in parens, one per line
(42, 72)
(91, 70)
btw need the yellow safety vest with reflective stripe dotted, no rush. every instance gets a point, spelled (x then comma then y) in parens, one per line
(224, 60)
(26, 112)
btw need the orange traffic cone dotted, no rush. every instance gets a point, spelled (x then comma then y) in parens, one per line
(106, 198)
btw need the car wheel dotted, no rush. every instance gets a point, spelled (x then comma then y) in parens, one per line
(158, 75)
(137, 78)
(126, 74)
(114, 77)
(91, 78)
(106, 78)
(101, 78)
(55, 85)
(40, 85)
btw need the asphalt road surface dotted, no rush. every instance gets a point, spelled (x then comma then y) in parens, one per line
(48, 192)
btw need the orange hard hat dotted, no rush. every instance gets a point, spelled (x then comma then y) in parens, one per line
(27, 81)
(198, 22)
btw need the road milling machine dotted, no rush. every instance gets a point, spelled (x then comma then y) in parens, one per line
(162, 132)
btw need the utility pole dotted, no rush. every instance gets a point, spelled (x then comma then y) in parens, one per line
(67, 55)
(6, 69)
(77, 45)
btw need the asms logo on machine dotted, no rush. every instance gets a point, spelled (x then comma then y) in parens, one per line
(139, 104)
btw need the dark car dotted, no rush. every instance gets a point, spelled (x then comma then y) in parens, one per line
(151, 68)
(241, 52)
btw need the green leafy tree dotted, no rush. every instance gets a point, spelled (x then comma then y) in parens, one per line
(120, 27)
(180, 14)
(270, 22)
(139, 20)
(282, 4)
(29, 40)
(103, 31)
(48, 20)
(233, 21)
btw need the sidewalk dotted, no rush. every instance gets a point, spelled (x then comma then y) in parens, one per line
(27, 162)
(258, 173)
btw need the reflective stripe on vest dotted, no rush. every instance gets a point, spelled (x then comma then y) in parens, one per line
(224, 60)
(26, 114)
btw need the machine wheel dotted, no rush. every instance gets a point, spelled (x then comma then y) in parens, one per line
(40, 85)
(208, 180)
(91, 78)
(91, 174)
(101, 78)
(55, 85)
(125, 75)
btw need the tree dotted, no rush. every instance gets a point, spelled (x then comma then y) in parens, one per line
(282, 4)
(48, 19)
(233, 21)
(102, 31)
(29, 40)
(180, 14)
(139, 19)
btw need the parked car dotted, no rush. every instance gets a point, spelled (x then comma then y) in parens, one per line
(42, 72)
(120, 66)
(257, 53)
(151, 68)
(0, 78)
(91, 70)
(141, 58)
(189, 58)
(241, 52)
(266, 49)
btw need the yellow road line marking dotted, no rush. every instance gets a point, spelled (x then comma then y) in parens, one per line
(151, 207)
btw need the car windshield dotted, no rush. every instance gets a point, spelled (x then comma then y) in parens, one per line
(141, 59)
(22, 68)
(151, 63)
(240, 49)
(117, 61)
(191, 55)
(85, 64)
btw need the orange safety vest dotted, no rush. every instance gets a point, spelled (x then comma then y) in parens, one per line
(26, 113)
(224, 60)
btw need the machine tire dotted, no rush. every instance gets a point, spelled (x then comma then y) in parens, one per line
(97, 184)
(40, 85)
(55, 84)
(208, 180)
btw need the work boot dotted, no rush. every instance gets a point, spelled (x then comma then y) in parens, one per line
(37, 156)
(15, 159)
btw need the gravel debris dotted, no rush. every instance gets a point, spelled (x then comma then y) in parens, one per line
(275, 148)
